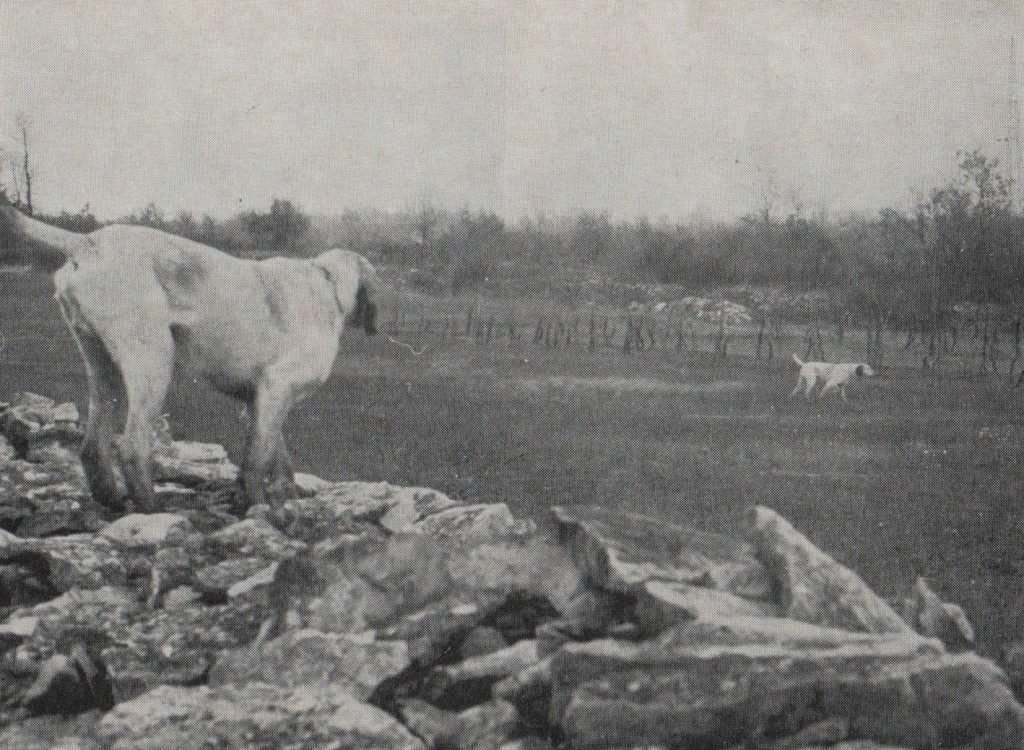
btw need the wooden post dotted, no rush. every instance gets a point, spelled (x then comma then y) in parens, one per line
(760, 336)
(1016, 348)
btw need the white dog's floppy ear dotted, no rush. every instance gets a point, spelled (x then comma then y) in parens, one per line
(860, 371)
(355, 284)
(365, 313)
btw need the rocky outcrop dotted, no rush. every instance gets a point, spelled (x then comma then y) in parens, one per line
(254, 715)
(622, 551)
(813, 587)
(365, 615)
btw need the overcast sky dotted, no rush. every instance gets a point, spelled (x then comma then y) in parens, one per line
(658, 108)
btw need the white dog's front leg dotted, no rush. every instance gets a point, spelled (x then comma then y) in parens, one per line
(274, 400)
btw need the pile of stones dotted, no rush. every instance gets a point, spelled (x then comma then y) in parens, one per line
(367, 615)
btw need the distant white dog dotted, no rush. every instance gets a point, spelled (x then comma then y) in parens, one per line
(835, 376)
(265, 332)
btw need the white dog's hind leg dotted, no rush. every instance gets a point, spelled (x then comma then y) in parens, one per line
(809, 391)
(97, 449)
(830, 386)
(146, 372)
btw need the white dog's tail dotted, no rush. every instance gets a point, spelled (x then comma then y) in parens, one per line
(799, 362)
(14, 225)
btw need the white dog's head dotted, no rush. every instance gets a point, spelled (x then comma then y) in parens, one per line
(864, 371)
(355, 286)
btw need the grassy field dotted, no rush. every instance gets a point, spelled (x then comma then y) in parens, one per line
(918, 475)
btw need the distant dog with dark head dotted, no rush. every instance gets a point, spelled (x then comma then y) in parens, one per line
(265, 332)
(834, 376)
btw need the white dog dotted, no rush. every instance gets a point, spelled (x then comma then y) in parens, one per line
(835, 376)
(265, 332)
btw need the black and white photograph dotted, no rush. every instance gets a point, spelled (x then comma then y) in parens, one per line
(511, 375)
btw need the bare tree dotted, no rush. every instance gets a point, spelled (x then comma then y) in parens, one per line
(426, 220)
(24, 122)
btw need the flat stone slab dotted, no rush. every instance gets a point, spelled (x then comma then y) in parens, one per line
(661, 604)
(491, 667)
(146, 529)
(190, 462)
(393, 507)
(622, 551)
(776, 631)
(896, 690)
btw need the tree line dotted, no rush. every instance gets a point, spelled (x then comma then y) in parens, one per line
(957, 253)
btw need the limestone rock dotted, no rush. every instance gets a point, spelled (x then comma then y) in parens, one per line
(48, 732)
(54, 443)
(6, 449)
(255, 585)
(55, 486)
(483, 727)
(434, 725)
(68, 684)
(530, 692)
(215, 581)
(893, 690)
(61, 517)
(471, 524)
(76, 560)
(181, 596)
(394, 508)
(487, 726)
(532, 565)
(477, 674)
(661, 604)
(30, 407)
(174, 646)
(147, 530)
(39, 430)
(191, 463)
(431, 629)
(310, 483)
(938, 619)
(18, 628)
(14, 510)
(622, 551)
(255, 715)
(813, 586)
(81, 608)
(480, 641)
(1013, 662)
(527, 743)
(399, 586)
(776, 631)
(357, 663)
(254, 538)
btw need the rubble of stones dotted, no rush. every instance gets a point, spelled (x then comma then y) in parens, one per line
(366, 615)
